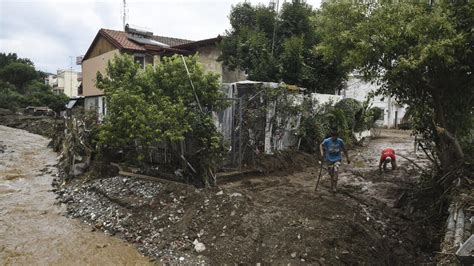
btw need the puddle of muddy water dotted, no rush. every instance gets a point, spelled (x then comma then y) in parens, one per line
(32, 228)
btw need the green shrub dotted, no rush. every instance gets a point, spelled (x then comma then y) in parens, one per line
(346, 116)
(9, 98)
(352, 112)
(159, 105)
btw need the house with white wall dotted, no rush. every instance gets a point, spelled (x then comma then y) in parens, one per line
(66, 81)
(359, 89)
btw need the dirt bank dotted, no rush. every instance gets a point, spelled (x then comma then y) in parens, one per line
(276, 218)
(41, 125)
(32, 228)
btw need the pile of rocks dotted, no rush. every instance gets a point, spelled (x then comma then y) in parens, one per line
(149, 214)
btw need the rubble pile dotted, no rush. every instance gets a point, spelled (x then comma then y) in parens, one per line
(149, 214)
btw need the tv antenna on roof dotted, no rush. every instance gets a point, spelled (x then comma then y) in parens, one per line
(70, 77)
(124, 14)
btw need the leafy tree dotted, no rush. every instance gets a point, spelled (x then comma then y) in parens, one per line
(19, 74)
(242, 16)
(265, 19)
(135, 107)
(295, 20)
(21, 85)
(271, 47)
(292, 60)
(335, 23)
(420, 53)
(40, 94)
(159, 104)
(6, 59)
(9, 97)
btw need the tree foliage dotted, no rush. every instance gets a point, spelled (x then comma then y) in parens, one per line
(22, 85)
(146, 107)
(7, 59)
(279, 47)
(18, 74)
(422, 54)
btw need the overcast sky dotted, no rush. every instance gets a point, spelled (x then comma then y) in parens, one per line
(50, 31)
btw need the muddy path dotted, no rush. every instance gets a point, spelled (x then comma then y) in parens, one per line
(361, 223)
(277, 218)
(32, 228)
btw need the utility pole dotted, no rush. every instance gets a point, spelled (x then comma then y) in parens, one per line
(275, 25)
(124, 14)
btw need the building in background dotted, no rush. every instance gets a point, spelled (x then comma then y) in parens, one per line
(50, 79)
(66, 81)
(359, 89)
(146, 49)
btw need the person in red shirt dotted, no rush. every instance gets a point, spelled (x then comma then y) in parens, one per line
(388, 156)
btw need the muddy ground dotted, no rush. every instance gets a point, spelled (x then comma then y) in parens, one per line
(276, 218)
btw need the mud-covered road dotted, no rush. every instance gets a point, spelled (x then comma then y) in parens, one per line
(276, 218)
(32, 228)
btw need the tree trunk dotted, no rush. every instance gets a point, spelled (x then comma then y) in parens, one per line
(451, 154)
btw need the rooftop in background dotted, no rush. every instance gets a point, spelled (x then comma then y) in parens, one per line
(122, 38)
(139, 41)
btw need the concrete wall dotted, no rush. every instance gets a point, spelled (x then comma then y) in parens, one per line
(358, 89)
(90, 67)
(208, 58)
(322, 99)
(232, 75)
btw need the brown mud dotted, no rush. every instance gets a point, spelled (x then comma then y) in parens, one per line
(276, 218)
(33, 230)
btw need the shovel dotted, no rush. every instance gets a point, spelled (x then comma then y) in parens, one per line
(319, 177)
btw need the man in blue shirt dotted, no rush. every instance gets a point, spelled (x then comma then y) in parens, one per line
(330, 150)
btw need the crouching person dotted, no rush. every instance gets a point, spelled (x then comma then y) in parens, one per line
(387, 156)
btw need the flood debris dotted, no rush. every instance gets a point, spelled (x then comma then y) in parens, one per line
(269, 218)
(465, 253)
(456, 245)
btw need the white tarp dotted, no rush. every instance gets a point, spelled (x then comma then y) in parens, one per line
(71, 104)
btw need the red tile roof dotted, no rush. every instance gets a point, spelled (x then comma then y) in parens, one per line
(120, 40)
